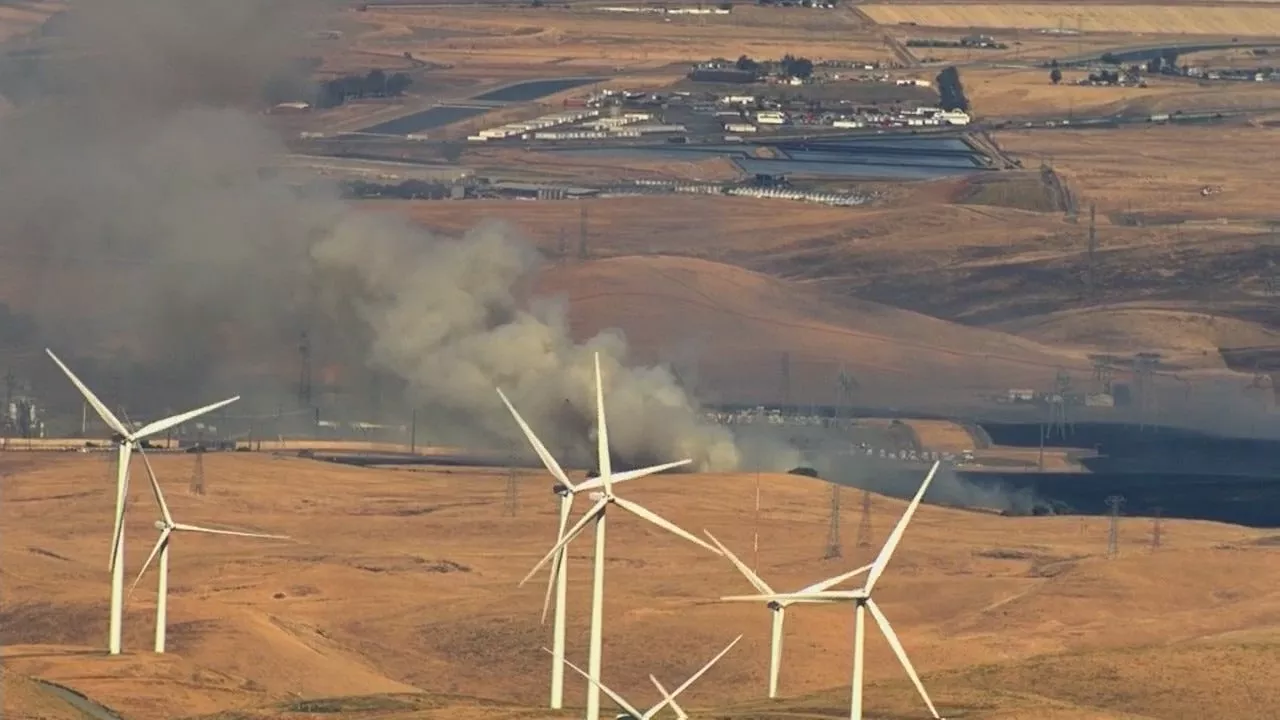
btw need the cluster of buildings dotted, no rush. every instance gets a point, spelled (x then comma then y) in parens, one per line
(583, 124)
(646, 10)
(738, 117)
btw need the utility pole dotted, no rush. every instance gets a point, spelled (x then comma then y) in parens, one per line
(864, 522)
(562, 247)
(755, 540)
(1091, 279)
(846, 386)
(582, 234)
(786, 378)
(1156, 529)
(197, 474)
(1113, 534)
(413, 432)
(1103, 368)
(10, 419)
(304, 371)
(833, 529)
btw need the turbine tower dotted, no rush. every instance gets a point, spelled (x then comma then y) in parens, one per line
(779, 609)
(167, 527)
(667, 698)
(597, 513)
(862, 601)
(558, 577)
(127, 441)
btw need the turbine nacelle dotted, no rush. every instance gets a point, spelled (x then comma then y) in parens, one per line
(159, 525)
(561, 489)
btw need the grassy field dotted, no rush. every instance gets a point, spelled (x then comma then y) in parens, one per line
(409, 584)
(1133, 18)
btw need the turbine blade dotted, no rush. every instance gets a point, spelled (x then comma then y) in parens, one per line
(622, 703)
(667, 699)
(566, 504)
(126, 454)
(160, 426)
(640, 510)
(577, 528)
(832, 582)
(882, 560)
(693, 678)
(237, 533)
(752, 578)
(829, 596)
(164, 538)
(155, 489)
(603, 462)
(545, 455)
(103, 411)
(615, 478)
(894, 643)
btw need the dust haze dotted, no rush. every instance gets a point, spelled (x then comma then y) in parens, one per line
(142, 154)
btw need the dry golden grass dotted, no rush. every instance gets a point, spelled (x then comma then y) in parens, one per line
(566, 39)
(942, 435)
(1160, 169)
(1149, 19)
(741, 321)
(404, 581)
(1138, 326)
(998, 92)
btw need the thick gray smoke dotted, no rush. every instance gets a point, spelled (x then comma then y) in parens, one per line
(143, 157)
(447, 316)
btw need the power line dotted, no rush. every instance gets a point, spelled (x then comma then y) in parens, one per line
(833, 528)
(1113, 533)
(864, 522)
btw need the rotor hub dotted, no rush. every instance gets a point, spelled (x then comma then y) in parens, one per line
(560, 489)
(774, 605)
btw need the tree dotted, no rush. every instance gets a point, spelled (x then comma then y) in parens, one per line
(1055, 76)
(725, 5)
(746, 64)
(375, 83)
(398, 83)
(950, 91)
(1155, 65)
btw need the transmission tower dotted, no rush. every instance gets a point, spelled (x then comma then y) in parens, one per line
(786, 378)
(197, 473)
(304, 371)
(846, 386)
(1156, 529)
(1144, 365)
(582, 234)
(9, 415)
(864, 521)
(1103, 369)
(833, 529)
(1113, 533)
(562, 247)
(1091, 287)
(1058, 404)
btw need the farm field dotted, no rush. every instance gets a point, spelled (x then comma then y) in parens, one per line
(1140, 19)
(366, 605)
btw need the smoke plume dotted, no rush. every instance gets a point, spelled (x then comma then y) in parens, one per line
(138, 198)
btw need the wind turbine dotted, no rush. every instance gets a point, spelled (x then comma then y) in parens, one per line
(127, 440)
(779, 607)
(167, 527)
(630, 711)
(861, 598)
(604, 498)
(558, 576)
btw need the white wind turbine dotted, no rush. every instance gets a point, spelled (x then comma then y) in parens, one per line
(558, 577)
(667, 698)
(167, 527)
(779, 607)
(604, 499)
(861, 598)
(128, 440)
